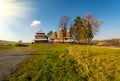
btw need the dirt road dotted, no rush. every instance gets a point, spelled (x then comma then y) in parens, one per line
(10, 58)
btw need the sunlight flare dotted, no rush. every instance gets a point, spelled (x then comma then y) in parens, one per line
(13, 8)
(11, 12)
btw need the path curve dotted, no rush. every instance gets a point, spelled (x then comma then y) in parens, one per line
(9, 59)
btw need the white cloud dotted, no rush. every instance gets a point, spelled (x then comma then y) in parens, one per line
(35, 22)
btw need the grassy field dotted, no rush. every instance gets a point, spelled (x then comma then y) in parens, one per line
(68, 62)
(6, 47)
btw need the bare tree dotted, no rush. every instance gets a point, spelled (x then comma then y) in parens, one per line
(92, 28)
(64, 21)
(63, 24)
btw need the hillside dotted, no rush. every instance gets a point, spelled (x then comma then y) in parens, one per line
(69, 62)
(111, 42)
(4, 42)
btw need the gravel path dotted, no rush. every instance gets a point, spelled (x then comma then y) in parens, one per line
(10, 58)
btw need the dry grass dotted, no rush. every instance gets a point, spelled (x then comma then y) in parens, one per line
(66, 62)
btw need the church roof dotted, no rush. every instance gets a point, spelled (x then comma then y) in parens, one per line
(60, 28)
(68, 30)
(54, 31)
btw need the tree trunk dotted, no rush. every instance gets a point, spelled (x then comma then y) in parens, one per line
(88, 51)
(88, 43)
(79, 41)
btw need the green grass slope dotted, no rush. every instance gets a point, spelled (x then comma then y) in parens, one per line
(6, 47)
(65, 62)
(6, 44)
(3, 42)
(112, 42)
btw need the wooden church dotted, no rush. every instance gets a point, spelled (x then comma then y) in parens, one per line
(56, 37)
(60, 37)
(40, 37)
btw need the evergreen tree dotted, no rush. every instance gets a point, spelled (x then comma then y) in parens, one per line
(78, 28)
(49, 34)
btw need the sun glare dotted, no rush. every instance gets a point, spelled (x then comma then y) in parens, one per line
(10, 9)
(11, 12)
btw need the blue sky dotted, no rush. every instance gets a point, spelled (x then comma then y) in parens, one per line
(49, 12)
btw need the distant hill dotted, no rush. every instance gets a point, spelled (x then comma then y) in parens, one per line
(4, 42)
(110, 42)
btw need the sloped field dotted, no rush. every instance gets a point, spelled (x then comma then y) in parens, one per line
(67, 62)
